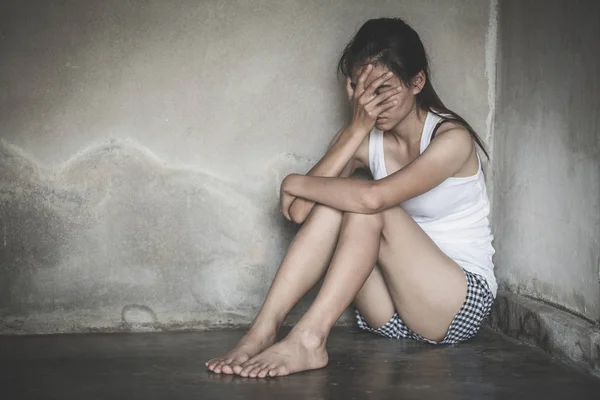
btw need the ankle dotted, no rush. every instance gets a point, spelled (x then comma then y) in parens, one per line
(263, 328)
(309, 337)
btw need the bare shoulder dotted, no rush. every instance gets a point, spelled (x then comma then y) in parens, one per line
(456, 141)
(456, 137)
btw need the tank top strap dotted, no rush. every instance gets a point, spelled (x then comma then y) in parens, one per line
(430, 122)
(437, 126)
(376, 156)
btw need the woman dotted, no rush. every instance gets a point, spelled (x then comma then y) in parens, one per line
(411, 248)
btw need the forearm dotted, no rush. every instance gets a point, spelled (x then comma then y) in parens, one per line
(343, 144)
(345, 194)
(337, 160)
(301, 207)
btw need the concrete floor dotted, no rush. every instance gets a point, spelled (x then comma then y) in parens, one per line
(362, 366)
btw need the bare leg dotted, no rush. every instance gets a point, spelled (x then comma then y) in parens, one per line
(427, 287)
(364, 240)
(374, 301)
(303, 265)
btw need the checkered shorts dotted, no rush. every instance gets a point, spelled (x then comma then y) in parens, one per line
(465, 324)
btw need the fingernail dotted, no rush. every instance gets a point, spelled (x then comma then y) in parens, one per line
(388, 74)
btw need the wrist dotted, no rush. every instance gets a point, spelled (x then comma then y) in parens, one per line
(355, 129)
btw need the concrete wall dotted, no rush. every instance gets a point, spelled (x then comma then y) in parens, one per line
(143, 142)
(547, 145)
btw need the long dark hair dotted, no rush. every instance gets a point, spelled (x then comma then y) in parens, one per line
(392, 43)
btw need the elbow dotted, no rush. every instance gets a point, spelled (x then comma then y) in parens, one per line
(371, 201)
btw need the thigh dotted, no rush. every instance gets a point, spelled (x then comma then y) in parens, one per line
(374, 302)
(426, 286)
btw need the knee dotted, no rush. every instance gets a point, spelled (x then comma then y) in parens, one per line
(365, 220)
(327, 212)
(324, 213)
(326, 209)
(306, 211)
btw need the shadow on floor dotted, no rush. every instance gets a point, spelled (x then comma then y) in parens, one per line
(362, 366)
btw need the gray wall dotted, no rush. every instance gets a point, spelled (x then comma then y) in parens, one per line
(143, 142)
(547, 145)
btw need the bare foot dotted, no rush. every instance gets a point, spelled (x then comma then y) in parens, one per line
(250, 345)
(299, 351)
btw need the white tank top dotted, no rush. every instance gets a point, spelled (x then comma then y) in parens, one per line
(454, 214)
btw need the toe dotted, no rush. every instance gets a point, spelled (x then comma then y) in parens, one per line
(263, 372)
(224, 366)
(237, 368)
(251, 372)
(211, 364)
(233, 365)
(280, 371)
(217, 368)
(246, 368)
(254, 372)
(226, 369)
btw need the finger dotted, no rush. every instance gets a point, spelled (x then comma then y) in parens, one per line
(385, 106)
(285, 213)
(370, 90)
(349, 90)
(362, 78)
(382, 97)
(286, 210)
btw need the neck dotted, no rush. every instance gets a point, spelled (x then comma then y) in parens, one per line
(411, 127)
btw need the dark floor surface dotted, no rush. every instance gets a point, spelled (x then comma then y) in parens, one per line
(362, 366)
